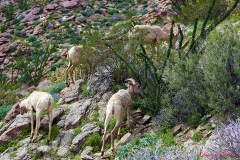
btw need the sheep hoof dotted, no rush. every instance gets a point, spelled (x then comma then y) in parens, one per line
(48, 141)
(102, 153)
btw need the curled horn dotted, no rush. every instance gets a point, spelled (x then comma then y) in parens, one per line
(131, 80)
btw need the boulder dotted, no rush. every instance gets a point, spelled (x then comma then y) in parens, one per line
(15, 110)
(69, 4)
(13, 128)
(72, 92)
(57, 113)
(44, 84)
(80, 139)
(79, 111)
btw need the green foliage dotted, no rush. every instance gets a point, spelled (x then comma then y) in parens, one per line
(19, 33)
(19, 28)
(86, 93)
(167, 138)
(23, 5)
(3, 111)
(36, 44)
(57, 88)
(12, 48)
(15, 143)
(194, 120)
(33, 65)
(9, 11)
(221, 69)
(8, 91)
(112, 11)
(4, 27)
(54, 66)
(197, 136)
(32, 38)
(93, 141)
(112, 125)
(96, 114)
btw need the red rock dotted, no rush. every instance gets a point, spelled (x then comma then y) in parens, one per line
(31, 89)
(50, 6)
(43, 84)
(69, 4)
(35, 10)
(12, 113)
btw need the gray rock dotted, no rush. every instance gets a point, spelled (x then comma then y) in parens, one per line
(72, 92)
(62, 151)
(11, 130)
(78, 112)
(44, 84)
(21, 152)
(80, 139)
(87, 151)
(56, 114)
(43, 149)
(69, 4)
(64, 138)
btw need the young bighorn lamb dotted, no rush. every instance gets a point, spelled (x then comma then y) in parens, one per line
(118, 104)
(38, 102)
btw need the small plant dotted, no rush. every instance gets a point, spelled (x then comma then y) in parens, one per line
(12, 48)
(13, 154)
(32, 38)
(96, 114)
(167, 138)
(4, 27)
(3, 111)
(93, 141)
(53, 67)
(19, 28)
(56, 88)
(194, 120)
(197, 136)
(112, 11)
(86, 93)
(36, 44)
(9, 11)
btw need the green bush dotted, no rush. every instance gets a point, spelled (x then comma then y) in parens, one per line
(19, 28)
(3, 111)
(57, 88)
(32, 38)
(167, 138)
(112, 11)
(220, 64)
(53, 67)
(36, 44)
(197, 136)
(194, 120)
(93, 141)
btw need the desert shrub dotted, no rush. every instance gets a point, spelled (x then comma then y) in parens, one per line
(4, 27)
(54, 66)
(36, 44)
(19, 28)
(57, 76)
(32, 38)
(15, 21)
(197, 136)
(12, 48)
(56, 88)
(23, 5)
(87, 13)
(19, 34)
(220, 65)
(151, 147)
(93, 141)
(32, 67)
(9, 11)
(194, 120)
(228, 143)
(199, 9)
(112, 11)
(8, 91)
(167, 138)
(3, 111)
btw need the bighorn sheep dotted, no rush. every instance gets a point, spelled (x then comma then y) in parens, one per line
(38, 102)
(118, 104)
(79, 54)
(151, 33)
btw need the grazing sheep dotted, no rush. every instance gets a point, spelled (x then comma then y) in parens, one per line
(151, 33)
(118, 104)
(38, 102)
(74, 55)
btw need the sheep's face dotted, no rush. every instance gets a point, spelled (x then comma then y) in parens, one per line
(22, 107)
(137, 89)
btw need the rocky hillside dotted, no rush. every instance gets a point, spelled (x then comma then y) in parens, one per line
(33, 27)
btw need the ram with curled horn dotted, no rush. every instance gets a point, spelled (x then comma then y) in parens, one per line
(118, 104)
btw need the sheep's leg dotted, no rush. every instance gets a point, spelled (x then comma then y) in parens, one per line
(67, 73)
(38, 115)
(107, 120)
(50, 118)
(31, 117)
(71, 73)
(119, 130)
(128, 120)
(113, 133)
